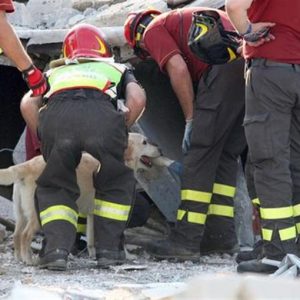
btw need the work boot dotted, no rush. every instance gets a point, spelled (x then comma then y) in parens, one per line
(171, 249)
(255, 253)
(255, 266)
(106, 258)
(218, 247)
(55, 260)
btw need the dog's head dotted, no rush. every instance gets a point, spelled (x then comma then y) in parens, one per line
(140, 153)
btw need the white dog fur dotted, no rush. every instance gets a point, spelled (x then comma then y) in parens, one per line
(24, 177)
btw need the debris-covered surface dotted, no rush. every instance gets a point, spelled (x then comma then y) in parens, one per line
(82, 274)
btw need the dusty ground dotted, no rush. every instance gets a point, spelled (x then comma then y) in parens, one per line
(82, 273)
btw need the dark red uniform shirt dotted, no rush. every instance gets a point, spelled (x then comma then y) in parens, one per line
(286, 15)
(165, 36)
(7, 5)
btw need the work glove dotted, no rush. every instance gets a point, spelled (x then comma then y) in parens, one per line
(176, 168)
(186, 142)
(35, 81)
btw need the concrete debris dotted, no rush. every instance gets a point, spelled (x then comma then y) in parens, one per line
(222, 286)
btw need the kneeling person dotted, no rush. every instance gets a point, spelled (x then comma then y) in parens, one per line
(81, 115)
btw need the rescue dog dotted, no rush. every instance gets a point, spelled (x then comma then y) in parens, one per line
(140, 154)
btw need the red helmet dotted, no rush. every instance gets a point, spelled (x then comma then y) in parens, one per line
(85, 40)
(135, 25)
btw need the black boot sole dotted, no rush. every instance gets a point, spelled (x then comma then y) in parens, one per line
(57, 265)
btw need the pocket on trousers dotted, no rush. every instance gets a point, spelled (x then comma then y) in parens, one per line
(203, 133)
(257, 130)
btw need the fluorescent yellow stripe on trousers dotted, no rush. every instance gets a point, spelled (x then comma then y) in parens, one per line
(276, 213)
(192, 217)
(224, 190)
(221, 210)
(59, 213)
(111, 210)
(196, 196)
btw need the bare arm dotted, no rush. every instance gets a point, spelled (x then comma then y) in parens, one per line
(135, 102)
(237, 13)
(11, 45)
(182, 84)
(30, 110)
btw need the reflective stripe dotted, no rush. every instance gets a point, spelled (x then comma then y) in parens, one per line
(266, 234)
(80, 215)
(276, 213)
(221, 210)
(298, 227)
(192, 217)
(224, 190)
(287, 233)
(103, 76)
(111, 210)
(59, 213)
(256, 201)
(196, 196)
(81, 228)
(180, 214)
(296, 209)
(197, 218)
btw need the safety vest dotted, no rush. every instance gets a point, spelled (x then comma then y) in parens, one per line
(102, 76)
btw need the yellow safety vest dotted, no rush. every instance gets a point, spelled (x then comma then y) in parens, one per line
(103, 76)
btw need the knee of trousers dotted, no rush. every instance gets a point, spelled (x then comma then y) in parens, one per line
(259, 137)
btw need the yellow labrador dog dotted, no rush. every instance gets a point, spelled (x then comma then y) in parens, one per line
(140, 154)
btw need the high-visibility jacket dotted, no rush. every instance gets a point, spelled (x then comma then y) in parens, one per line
(103, 76)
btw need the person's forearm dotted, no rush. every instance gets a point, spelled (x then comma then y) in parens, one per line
(182, 84)
(237, 13)
(11, 45)
(135, 102)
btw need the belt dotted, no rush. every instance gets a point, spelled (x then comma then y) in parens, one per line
(262, 62)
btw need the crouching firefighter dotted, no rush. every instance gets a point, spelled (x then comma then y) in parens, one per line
(80, 115)
(214, 136)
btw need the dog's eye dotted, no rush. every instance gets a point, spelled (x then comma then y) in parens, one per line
(144, 142)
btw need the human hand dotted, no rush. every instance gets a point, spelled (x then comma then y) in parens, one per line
(186, 142)
(259, 34)
(35, 81)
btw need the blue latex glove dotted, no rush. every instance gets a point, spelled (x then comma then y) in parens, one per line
(186, 142)
(176, 168)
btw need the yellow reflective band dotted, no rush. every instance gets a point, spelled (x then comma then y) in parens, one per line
(197, 218)
(287, 233)
(256, 201)
(111, 210)
(298, 227)
(220, 210)
(81, 228)
(296, 209)
(196, 196)
(59, 213)
(80, 215)
(266, 234)
(138, 37)
(203, 31)
(232, 55)
(276, 213)
(180, 214)
(224, 190)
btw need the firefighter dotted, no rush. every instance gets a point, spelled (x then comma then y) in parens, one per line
(14, 50)
(271, 32)
(213, 137)
(81, 114)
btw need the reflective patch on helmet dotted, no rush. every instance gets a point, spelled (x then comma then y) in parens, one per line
(203, 31)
